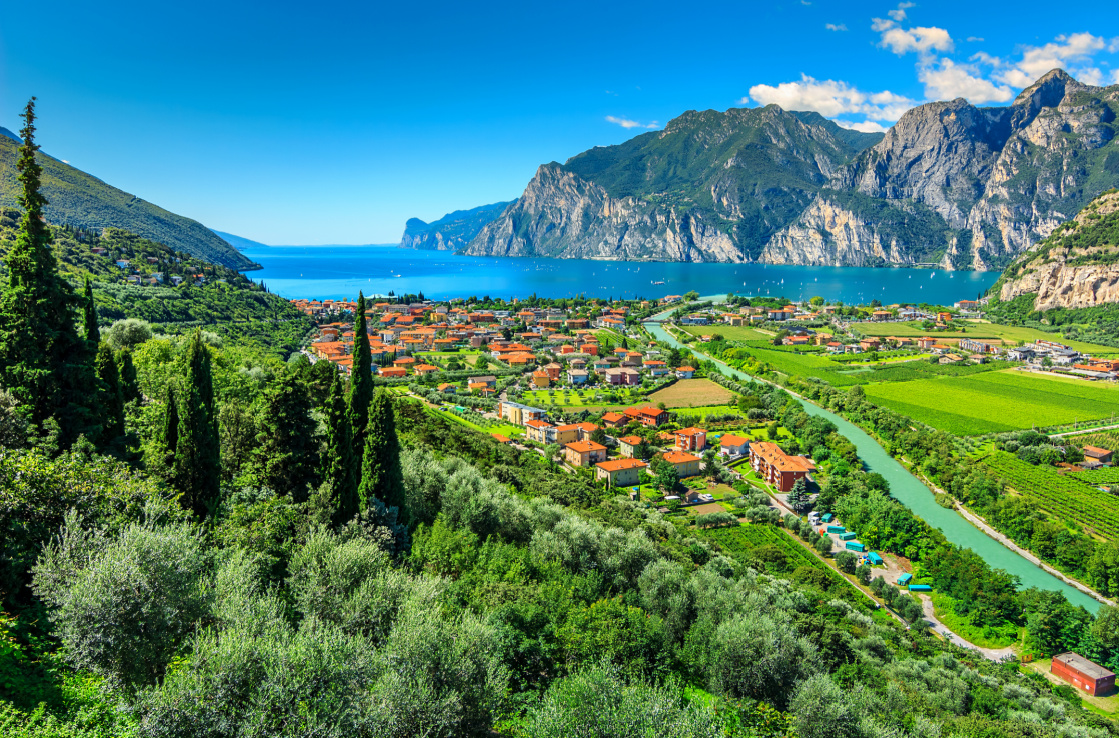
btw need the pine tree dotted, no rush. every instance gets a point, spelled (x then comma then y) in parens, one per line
(382, 476)
(361, 382)
(92, 332)
(286, 447)
(340, 461)
(111, 398)
(129, 383)
(44, 362)
(197, 453)
(797, 498)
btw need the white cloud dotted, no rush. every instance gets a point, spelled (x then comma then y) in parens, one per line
(946, 80)
(627, 123)
(921, 39)
(866, 126)
(899, 14)
(830, 98)
(973, 39)
(836, 26)
(881, 24)
(1066, 51)
(1115, 76)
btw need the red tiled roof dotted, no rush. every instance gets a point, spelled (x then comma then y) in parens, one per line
(620, 464)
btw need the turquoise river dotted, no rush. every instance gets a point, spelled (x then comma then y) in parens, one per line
(912, 493)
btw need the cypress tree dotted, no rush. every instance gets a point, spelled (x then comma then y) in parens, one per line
(92, 332)
(285, 454)
(129, 384)
(197, 453)
(361, 378)
(382, 476)
(112, 401)
(44, 362)
(341, 461)
(169, 437)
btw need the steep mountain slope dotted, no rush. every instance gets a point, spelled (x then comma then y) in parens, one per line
(453, 231)
(79, 199)
(950, 185)
(986, 182)
(1076, 267)
(710, 187)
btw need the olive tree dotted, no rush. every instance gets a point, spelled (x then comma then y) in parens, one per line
(755, 656)
(822, 710)
(124, 605)
(596, 702)
(127, 333)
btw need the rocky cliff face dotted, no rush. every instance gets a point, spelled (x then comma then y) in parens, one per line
(563, 215)
(827, 233)
(453, 231)
(998, 179)
(710, 187)
(1077, 267)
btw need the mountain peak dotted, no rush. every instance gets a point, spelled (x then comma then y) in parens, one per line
(1049, 90)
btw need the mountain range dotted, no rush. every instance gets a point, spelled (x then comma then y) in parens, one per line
(82, 200)
(950, 185)
(453, 231)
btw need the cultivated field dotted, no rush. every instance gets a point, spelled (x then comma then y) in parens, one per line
(1059, 495)
(692, 393)
(1010, 335)
(997, 401)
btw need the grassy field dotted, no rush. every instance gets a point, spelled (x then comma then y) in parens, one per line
(997, 401)
(1011, 335)
(590, 398)
(982, 636)
(710, 410)
(504, 429)
(729, 332)
(692, 393)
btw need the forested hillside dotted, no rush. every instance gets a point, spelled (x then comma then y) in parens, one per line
(83, 201)
(219, 297)
(203, 540)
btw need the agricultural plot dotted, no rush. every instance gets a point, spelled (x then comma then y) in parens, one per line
(692, 393)
(1100, 439)
(1010, 335)
(1059, 495)
(739, 540)
(997, 401)
(1107, 477)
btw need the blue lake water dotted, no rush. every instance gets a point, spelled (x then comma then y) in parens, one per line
(335, 272)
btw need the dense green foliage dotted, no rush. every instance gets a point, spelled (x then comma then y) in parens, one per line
(44, 362)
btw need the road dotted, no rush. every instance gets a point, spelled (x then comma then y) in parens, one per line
(994, 654)
(1083, 431)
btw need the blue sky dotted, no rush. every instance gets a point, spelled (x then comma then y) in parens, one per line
(334, 123)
